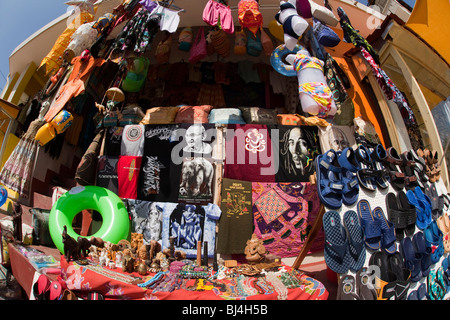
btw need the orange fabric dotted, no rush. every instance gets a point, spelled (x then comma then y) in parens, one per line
(363, 106)
(70, 90)
(82, 70)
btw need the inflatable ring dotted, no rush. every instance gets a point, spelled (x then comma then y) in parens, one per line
(3, 195)
(276, 60)
(115, 224)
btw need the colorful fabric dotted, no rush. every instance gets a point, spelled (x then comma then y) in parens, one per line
(389, 88)
(305, 61)
(285, 235)
(249, 15)
(321, 93)
(128, 168)
(218, 14)
(114, 284)
(271, 206)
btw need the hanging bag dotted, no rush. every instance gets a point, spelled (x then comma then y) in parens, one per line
(240, 43)
(198, 49)
(266, 42)
(254, 46)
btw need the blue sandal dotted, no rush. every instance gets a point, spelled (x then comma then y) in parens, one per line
(336, 252)
(370, 226)
(350, 167)
(329, 186)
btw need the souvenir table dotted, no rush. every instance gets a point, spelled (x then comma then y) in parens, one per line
(115, 284)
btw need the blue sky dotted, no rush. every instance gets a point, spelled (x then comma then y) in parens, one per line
(21, 18)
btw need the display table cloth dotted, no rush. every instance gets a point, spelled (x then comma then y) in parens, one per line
(115, 284)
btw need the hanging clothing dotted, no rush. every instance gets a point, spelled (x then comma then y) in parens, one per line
(16, 174)
(389, 88)
(352, 36)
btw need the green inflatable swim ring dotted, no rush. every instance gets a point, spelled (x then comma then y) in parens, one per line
(115, 224)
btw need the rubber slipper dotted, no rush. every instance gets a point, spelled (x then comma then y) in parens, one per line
(41, 288)
(433, 287)
(395, 215)
(420, 166)
(421, 247)
(385, 280)
(393, 162)
(329, 184)
(403, 275)
(357, 252)
(336, 244)
(433, 196)
(350, 166)
(409, 211)
(366, 175)
(411, 259)
(347, 288)
(423, 213)
(364, 288)
(378, 156)
(419, 294)
(434, 239)
(387, 231)
(442, 284)
(371, 227)
(443, 223)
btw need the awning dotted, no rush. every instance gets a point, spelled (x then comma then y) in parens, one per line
(429, 20)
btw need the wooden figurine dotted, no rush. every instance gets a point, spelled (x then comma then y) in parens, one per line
(83, 246)
(255, 251)
(70, 246)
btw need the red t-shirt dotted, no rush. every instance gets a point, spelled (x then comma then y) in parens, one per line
(128, 168)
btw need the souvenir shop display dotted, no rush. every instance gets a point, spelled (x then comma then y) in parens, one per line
(214, 153)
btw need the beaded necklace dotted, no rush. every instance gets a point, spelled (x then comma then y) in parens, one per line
(279, 287)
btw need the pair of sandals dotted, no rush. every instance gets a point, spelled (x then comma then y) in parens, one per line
(443, 223)
(359, 287)
(44, 289)
(417, 255)
(432, 167)
(379, 233)
(372, 173)
(402, 214)
(422, 203)
(403, 171)
(344, 242)
(392, 279)
(336, 178)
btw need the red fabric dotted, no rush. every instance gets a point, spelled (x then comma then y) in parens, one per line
(83, 279)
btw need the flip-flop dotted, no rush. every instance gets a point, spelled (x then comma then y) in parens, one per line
(434, 289)
(440, 279)
(403, 275)
(347, 288)
(350, 166)
(370, 226)
(411, 179)
(387, 231)
(357, 252)
(395, 215)
(421, 248)
(409, 211)
(385, 280)
(329, 186)
(336, 252)
(419, 294)
(366, 174)
(434, 239)
(364, 288)
(433, 196)
(411, 259)
(422, 211)
(41, 288)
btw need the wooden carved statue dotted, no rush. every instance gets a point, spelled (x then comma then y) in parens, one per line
(70, 246)
(255, 251)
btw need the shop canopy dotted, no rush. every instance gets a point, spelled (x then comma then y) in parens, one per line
(429, 20)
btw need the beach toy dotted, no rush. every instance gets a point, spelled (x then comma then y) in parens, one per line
(45, 133)
(3, 195)
(115, 220)
(136, 75)
(62, 121)
(277, 60)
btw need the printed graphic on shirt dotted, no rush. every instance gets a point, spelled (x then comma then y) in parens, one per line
(196, 182)
(146, 219)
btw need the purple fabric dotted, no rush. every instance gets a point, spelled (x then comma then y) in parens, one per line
(303, 8)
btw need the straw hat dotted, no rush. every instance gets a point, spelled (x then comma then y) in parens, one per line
(115, 94)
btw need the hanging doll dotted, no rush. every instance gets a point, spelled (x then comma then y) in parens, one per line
(293, 25)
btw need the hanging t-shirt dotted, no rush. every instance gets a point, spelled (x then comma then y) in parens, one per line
(146, 219)
(280, 216)
(297, 148)
(189, 224)
(160, 172)
(337, 138)
(113, 141)
(107, 173)
(128, 168)
(248, 153)
(132, 143)
(236, 222)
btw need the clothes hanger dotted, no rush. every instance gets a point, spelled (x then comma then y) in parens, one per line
(169, 5)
